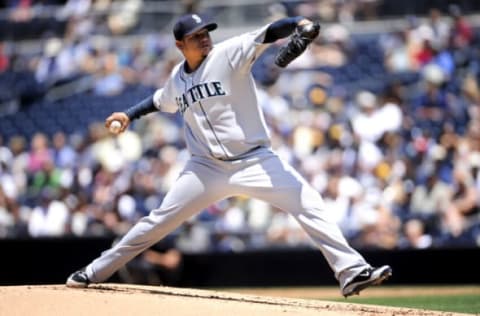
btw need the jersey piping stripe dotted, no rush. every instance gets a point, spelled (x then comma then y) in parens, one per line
(206, 117)
(185, 122)
(213, 130)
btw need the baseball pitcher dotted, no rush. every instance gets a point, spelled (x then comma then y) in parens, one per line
(227, 137)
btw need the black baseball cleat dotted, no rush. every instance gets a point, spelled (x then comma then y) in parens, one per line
(78, 279)
(369, 276)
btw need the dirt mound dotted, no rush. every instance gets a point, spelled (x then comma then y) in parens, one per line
(120, 299)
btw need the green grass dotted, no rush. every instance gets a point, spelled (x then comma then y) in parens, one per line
(469, 303)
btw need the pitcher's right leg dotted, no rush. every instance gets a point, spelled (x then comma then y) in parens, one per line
(195, 189)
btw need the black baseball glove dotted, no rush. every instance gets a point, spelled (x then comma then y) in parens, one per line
(298, 42)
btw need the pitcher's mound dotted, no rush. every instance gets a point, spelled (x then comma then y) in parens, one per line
(121, 299)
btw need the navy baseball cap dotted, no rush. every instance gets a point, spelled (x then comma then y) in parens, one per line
(189, 24)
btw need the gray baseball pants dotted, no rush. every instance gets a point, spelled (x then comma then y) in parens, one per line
(262, 175)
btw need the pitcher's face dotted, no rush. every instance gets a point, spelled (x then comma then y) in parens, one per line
(196, 45)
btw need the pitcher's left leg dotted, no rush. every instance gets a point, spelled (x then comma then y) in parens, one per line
(279, 184)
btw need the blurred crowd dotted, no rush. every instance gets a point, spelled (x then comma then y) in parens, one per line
(397, 161)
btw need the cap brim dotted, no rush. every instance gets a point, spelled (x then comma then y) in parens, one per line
(209, 26)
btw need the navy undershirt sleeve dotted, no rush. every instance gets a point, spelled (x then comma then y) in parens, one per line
(143, 107)
(281, 28)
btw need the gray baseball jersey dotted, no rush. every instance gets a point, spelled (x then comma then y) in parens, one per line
(226, 134)
(218, 100)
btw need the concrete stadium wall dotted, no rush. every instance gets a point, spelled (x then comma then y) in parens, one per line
(50, 261)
